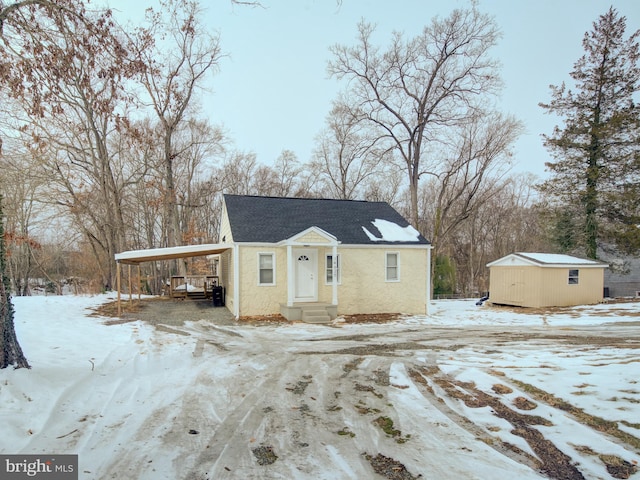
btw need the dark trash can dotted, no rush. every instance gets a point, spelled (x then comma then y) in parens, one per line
(218, 296)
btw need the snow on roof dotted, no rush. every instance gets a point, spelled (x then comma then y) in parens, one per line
(392, 232)
(134, 257)
(545, 260)
(557, 258)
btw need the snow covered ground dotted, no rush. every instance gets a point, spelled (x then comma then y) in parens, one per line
(310, 401)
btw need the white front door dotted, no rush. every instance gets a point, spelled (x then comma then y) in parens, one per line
(306, 274)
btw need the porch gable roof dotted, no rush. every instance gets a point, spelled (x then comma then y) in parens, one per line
(299, 238)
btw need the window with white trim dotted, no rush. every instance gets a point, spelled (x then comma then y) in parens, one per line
(574, 277)
(392, 267)
(266, 269)
(329, 269)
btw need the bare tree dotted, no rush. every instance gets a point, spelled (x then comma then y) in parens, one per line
(411, 92)
(198, 145)
(177, 54)
(10, 353)
(481, 156)
(468, 179)
(506, 222)
(21, 184)
(387, 187)
(237, 173)
(347, 154)
(68, 71)
(282, 179)
(21, 25)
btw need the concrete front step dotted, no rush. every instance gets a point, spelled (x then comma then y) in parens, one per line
(317, 319)
(305, 311)
(315, 316)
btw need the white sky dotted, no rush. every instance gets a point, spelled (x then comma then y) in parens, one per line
(273, 93)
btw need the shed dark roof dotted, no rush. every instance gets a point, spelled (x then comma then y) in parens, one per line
(273, 219)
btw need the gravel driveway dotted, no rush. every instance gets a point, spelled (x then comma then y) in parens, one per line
(175, 312)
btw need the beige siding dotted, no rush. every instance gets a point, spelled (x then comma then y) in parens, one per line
(533, 286)
(363, 288)
(556, 290)
(226, 277)
(225, 227)
(261, 299)
(312, 237)
(358, 292)
(507, 285)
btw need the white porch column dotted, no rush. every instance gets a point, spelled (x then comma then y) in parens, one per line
(334, 278)
(290, 284)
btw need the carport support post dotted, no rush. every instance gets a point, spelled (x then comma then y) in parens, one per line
(118, 286)
(130, 292)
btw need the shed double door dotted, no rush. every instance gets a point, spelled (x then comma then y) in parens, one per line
(515, 285)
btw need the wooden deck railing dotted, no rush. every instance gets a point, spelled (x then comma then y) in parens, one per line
(192, 286)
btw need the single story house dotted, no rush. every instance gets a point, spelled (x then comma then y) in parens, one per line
(545, 280)
(313, 259)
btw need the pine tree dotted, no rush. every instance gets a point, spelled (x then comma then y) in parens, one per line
(444, 277)
(597, 149)
(10, 353)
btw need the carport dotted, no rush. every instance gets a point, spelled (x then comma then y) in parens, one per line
(136, 257)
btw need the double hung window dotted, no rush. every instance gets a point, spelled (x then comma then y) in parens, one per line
(266, 269)
(573, 277)
(330, 269)
(392, 267)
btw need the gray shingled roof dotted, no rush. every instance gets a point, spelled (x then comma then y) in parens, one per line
(273, 219)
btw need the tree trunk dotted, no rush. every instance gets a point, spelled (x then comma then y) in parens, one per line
(11, 353)
(591, 193)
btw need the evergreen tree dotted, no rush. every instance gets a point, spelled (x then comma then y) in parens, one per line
(10, 353)
(563, 234)
(444, 276)
(596, 151)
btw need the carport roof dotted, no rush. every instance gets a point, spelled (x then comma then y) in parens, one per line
(135, 257)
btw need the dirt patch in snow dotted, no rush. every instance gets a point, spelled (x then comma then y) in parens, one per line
(165, 311)
(572, 311)
(372, 318)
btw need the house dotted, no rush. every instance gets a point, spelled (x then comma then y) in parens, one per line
(622, 279)
(314, 259)
(545, 280)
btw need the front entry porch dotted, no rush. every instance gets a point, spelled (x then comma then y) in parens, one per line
(304, 272)
(309, 312)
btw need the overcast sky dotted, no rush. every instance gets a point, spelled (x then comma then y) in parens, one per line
(273, 93)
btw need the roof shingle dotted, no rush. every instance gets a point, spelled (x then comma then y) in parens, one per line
(273, 219)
